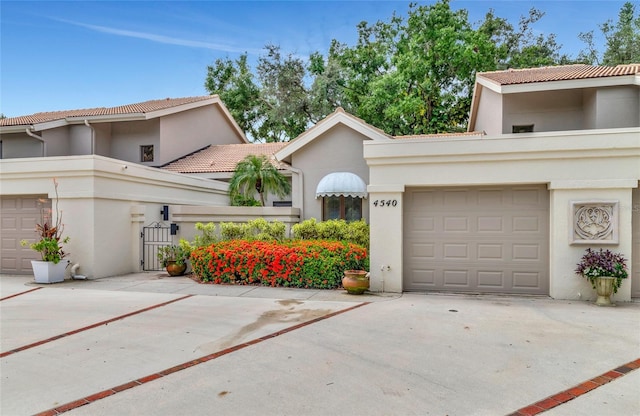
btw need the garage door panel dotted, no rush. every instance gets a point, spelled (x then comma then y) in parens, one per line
(422, 198)
(526, 280)
(489, 197)
(475, 246)
(18, 218)
(456, 252)
(528, 197)
(456, 224)
(456, 278)
(526, 252)
(490, 224)
(424, 251)
(491, 280)
(490, 252)
(422, 224)
(424, 277)
(455, 198)
(526, 224)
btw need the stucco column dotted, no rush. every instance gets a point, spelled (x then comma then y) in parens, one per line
(564, 253)
(386, 219)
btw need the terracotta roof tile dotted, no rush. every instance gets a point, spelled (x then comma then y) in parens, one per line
(559, 73)
(136, 108)
(224, 158)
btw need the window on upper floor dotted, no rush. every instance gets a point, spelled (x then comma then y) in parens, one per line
(525, 128)
(146, 153)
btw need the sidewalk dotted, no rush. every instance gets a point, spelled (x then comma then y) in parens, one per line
(149, 344)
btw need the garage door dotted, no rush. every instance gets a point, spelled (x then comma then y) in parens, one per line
(480, 239)
(18, 218)
(635, 236)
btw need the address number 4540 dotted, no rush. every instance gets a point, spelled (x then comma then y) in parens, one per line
(385, 203)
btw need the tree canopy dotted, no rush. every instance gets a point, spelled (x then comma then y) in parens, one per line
(408, 75)
(622, 39)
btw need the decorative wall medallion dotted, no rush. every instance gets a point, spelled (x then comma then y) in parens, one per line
(594, 222)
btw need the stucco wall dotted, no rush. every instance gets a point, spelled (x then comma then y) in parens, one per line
(617, 107)
(337, 150)
(16, 145)
(596, 164)
(57, 141)
(187, 131)
(79, 140)
(102, 139)
(547, 111)
(98, 197)
(127, 137)
(566, 284)
(489, 115)
(590, 106)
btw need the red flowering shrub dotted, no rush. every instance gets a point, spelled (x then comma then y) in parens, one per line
(308, 264)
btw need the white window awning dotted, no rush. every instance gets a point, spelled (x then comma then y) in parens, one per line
(342, 184)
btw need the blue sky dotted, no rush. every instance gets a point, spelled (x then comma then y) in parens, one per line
(82, 54)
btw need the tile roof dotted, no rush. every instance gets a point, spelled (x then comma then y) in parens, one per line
(136, 108)
(441, 135)
(224, 157)
(559, 73)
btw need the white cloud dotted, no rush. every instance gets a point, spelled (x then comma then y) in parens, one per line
(164, 39)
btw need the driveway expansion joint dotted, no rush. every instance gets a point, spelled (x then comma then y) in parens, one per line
(577, 391)
(86, 328)
(21, 293)
(109, 392)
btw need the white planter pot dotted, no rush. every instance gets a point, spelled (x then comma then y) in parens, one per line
(48, 271)
(604, 289)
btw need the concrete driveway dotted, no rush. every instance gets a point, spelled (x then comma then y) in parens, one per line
(149, 344)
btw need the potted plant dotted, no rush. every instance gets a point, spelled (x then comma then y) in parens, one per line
(605, 270)
(174, 257)
(356, 279)
(51, 268)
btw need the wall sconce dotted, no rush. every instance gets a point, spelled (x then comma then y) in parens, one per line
(174, 229)
(165, 212)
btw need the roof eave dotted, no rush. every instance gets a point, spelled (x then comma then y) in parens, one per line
(14, 129)
(571, 84)
(337, 117)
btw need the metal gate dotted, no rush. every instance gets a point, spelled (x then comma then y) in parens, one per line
(154, 236)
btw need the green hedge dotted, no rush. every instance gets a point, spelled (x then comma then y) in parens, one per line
(356, 232)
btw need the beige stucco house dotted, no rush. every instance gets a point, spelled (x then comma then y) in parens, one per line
(498, 209)
(105, 161)
(150, 133)
(512, 211)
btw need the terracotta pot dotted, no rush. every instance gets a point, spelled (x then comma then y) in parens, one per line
(355, 282)
(604, 289)
(174, 269)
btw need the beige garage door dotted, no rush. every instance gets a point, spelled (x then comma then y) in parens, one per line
(480, 239)
(635, 235)
(18, 218)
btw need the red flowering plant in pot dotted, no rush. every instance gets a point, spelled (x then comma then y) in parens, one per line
(605, 270)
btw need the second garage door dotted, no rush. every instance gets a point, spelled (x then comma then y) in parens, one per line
(18, 218)
(480, 239)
